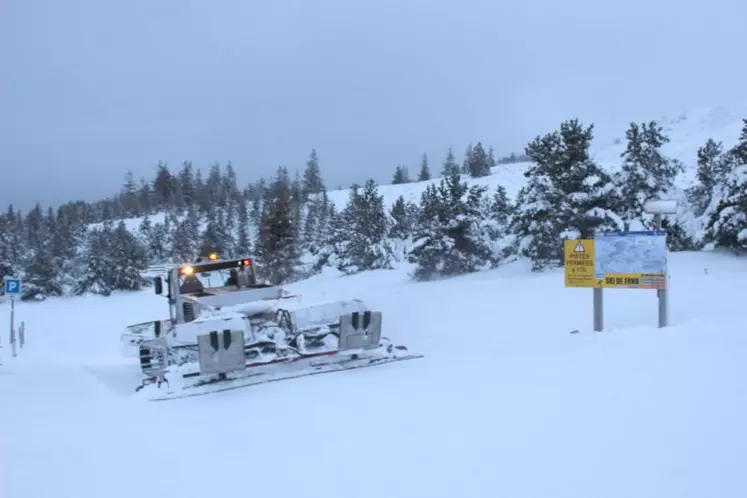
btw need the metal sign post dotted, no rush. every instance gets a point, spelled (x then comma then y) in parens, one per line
(12, 288)
(662, 293)
(659, 208)
(12, 325)
(598, 309)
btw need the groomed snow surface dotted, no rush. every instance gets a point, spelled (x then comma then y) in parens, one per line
(506, 403)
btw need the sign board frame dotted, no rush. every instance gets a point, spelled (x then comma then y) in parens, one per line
(580, 271)
(637, 280)
(581, 261)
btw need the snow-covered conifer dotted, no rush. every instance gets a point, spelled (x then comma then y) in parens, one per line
(312, 176)
(425, 172)
(477, 162)
(646, 173)
(278, 237)
(359, 236)
(450, 164)
(727, 223)
(451, 236)
(567, 195)
(41, 277)
(401, 175)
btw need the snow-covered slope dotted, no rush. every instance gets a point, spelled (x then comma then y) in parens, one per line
(510, 176)
(687, 132)
(506, 402)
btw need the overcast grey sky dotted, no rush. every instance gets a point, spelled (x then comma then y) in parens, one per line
(92, 88)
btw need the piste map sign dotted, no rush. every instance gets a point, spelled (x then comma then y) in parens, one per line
(617, 260)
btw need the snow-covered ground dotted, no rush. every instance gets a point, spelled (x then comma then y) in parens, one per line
(506, 402)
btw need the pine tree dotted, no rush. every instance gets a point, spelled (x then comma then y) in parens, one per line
(158, 243)
(229, 185)
(278, 241)
(451, 235)
(129, 259)
(425, 172)
(164, 186)
(10, 241)
(214, 187)
(739, 152)
(216, 238)
(492, 163)
(401, 175)
(402, 223)
(449, 165)
(202, 194)
(323, 245)
(646, 173)
(498, 212)
(711, 162)
(258, 195)
(567, 196)
(145, 230)
(317, 221)
(537, 231)
(229, 224)
(589, 192)
(130, 196)
(99, 275)
(477, 162)
(312, 177)
(187, 184)
(677, 237)
(727, 223)
(501, 208)
(68, 237)
(467, 159)
(731, 159)
(146, 196)
(41, 276)
(17, 240)
(243, 241)
(317, 209)
(34, 225)
(298, 200)
(115, 258)
(186, 239)
(359, 238)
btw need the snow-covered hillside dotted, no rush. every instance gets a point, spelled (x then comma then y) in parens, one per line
(505, 403)
(687, 132)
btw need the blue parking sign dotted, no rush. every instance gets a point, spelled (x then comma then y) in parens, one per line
(12, 286)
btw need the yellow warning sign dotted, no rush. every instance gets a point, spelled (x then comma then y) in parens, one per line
(579, 263)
